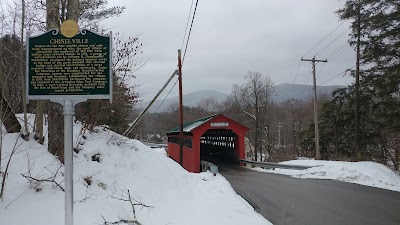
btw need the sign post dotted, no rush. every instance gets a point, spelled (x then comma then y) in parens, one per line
(67, 68)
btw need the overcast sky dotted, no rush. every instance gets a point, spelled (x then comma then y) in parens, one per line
(231, 37)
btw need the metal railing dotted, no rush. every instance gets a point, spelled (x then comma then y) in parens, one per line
(205, 165)
(275, 165)
(152, 144)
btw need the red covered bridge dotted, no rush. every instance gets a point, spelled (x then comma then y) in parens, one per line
(214, 138)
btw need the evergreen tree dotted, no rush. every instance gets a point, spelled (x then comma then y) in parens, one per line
(379, 24)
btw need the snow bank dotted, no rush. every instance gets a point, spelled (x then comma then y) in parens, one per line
(365, 173)
(175, 195)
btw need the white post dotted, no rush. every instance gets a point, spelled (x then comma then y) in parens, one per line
(68, 161)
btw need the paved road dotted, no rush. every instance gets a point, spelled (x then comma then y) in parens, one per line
(289, 201)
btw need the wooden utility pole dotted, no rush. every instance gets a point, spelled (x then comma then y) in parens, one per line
(180, 109)
(317, 150)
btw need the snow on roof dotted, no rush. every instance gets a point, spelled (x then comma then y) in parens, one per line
(189, 126)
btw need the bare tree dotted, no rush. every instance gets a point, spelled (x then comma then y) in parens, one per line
(55, 117)
(8, 117)
(25, 132)
(210, 104)
(254, 99)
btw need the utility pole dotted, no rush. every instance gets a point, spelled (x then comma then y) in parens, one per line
(180, 109)
(279, 134)
(317, 150)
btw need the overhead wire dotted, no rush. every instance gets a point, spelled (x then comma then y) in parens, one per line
(340, 54)
(342, 73)
(309, 94)
(187, 43)
(190, 31)
(187, 24)
(328, 57)
(306, 79)
(295, 78)
(166, 96)
(325, 37)
(332, 41)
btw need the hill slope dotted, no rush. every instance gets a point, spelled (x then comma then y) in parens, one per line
(192, 100)
(282, 92)
(173, 195)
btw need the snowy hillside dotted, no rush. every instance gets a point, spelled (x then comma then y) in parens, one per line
(103, 174)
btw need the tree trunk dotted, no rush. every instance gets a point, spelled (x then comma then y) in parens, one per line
(39, 122)
(9, 119)
(25, 133)
(73, 10)
(54, 112)
(357, 92)
(396, 158)
(55, 116)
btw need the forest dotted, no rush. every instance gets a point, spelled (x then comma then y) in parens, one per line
(360, 122)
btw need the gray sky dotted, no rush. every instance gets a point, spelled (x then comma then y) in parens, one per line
(231, 37)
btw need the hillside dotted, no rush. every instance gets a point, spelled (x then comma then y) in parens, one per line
(282, 92)
(191, 100)
(103, 175)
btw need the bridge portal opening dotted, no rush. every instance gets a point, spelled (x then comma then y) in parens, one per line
(218, 146)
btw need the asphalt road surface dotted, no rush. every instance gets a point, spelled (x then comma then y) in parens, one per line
(284, 200)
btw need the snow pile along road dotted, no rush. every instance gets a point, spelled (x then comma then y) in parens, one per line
(103, 175)
(365, 173)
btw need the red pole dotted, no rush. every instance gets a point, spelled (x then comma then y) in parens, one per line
(180, 109)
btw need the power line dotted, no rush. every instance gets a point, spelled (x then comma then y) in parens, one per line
(340, 54)
(187, 42)
(342, 73)
(333, 41)
(325, 38)
(337, 51)
(319, 72)
(166, 96)
(306, 79)
(295, 78)
(187, 23)
(190, 31)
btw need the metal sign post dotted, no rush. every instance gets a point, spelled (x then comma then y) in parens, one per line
(68, 157)
(68, 68)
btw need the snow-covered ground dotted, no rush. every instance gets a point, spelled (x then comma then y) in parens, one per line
(364, 173)
(169, 194)
(173, 195)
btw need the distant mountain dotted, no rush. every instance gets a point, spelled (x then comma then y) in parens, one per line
(191, 100)
(282, 92)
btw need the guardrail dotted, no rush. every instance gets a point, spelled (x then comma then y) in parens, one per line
(154, 144)
(205, 165)
(275, 165)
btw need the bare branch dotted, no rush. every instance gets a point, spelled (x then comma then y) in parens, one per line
(50, 179)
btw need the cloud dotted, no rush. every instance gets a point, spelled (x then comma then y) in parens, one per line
(231, 37)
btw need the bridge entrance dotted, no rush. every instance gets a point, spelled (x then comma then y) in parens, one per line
(218, 146)
(215, 138)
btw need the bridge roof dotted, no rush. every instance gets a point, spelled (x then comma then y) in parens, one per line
(189, 126)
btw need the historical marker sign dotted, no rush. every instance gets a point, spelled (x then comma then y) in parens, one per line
(74, 68)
